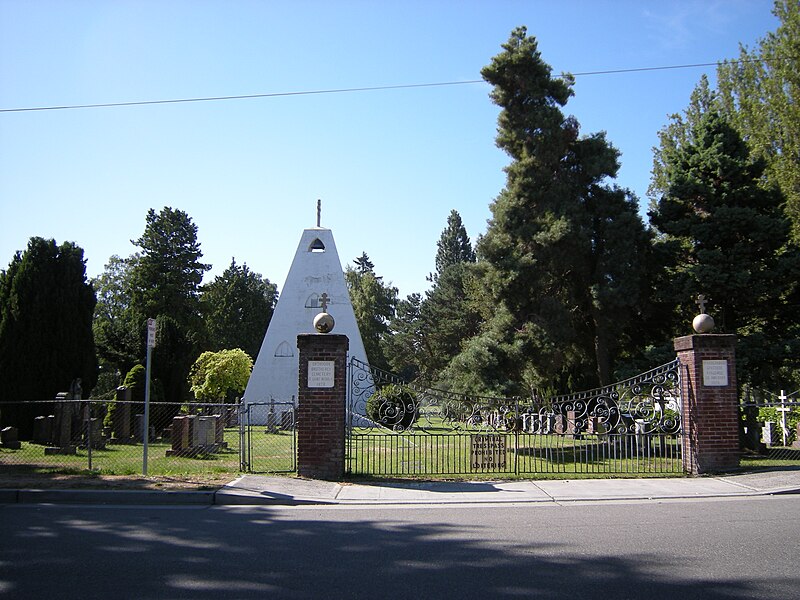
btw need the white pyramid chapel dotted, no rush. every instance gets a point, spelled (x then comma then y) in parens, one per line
(315, 271)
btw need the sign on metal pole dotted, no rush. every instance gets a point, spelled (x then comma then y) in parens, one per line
(151, 333)
(151, 342)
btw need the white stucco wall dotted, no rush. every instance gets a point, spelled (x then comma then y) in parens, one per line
(312, 273)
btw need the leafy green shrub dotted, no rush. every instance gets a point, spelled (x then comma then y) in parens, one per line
(393, 406)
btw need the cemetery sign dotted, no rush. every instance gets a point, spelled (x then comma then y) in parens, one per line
(320, 373)
(488, 452)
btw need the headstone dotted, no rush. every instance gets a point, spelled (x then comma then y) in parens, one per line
(287, 419)
(593, 425)
(138, 428)
(121, 419)
(94, 434)
(219, 431)
(232, 416)
(9, 438)
(573, 428)
(62, 428)
(43, 430)
(272, 421)
(642, 438)
(206, 433)
(179, 436)
(769, 434)
(559, 425)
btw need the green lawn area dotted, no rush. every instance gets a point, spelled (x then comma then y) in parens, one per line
(269, 452)
(439, 450)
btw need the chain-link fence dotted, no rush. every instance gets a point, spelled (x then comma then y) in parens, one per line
(770, 423)
(109, 437)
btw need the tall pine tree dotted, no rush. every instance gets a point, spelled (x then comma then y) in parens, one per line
(726, 237)
(165, 284)
(548, 283)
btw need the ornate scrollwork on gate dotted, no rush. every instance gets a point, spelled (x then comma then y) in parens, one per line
(381, 399)
(648, 403)
(645, 404)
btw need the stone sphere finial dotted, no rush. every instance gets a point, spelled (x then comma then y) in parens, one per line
(324, 322)
(702, 323)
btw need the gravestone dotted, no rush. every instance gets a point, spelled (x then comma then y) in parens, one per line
(9, 438)
(559, 425)
(121, 419)
(593, 425)
(138, 428)
(94, 434)
(769, 434)
(43, 430)
(219, 431)
(62, 427)
(206, 432)
(573, 426)
(179, 436)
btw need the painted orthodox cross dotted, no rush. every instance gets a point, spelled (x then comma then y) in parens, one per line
(323, 301)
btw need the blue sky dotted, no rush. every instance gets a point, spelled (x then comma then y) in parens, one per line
(389, 165)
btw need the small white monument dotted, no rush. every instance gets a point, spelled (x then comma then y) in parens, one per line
(315, 271)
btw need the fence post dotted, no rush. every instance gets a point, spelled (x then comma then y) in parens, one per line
(321, 405)
(709, 402)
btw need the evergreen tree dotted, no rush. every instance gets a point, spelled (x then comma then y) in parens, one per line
(374, 305)
(238, 306)
(447, 316)
(454, 246)
(404, 347)
(46, 341)
(759, 93)
(165, 284)
(548, 279)
(677, 134)
(363, 264)
(726, 237)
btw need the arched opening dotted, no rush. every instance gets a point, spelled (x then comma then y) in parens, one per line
(316, 246)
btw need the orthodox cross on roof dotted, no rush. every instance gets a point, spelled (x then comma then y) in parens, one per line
(701, 302)
(319, 212)
(323, 302)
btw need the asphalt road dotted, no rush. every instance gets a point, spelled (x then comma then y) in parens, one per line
(712, 549)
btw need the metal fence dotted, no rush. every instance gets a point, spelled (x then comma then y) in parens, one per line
(770, 426)
(400, 428)
(268, 437)
(108, 437)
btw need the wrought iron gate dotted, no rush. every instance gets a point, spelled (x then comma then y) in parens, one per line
(268, 441)
(401, 429)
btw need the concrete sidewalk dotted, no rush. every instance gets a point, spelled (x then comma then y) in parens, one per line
(290, 491)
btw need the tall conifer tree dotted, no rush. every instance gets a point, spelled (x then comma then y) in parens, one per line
(726, 237)
(544, 265)
(46, 341)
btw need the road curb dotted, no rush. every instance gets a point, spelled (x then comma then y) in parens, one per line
(120, 497)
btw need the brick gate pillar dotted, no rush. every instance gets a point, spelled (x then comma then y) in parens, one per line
(321, 405)
(709, 402)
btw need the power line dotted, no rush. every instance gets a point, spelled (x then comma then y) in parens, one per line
(361, 89)
(246, 96)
